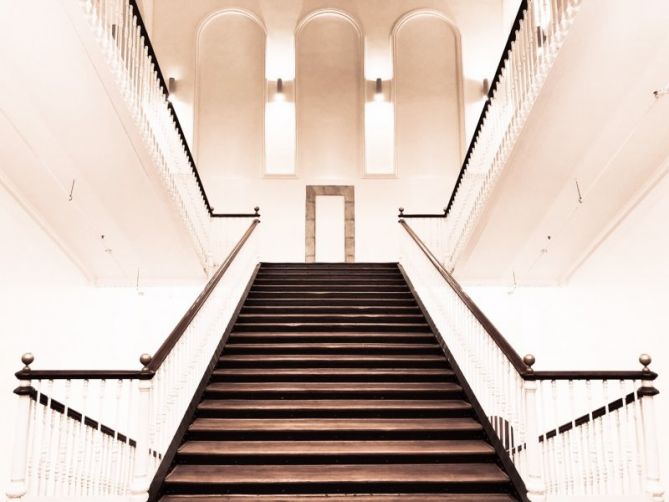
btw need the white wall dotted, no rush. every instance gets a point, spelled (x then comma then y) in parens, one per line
(613, 308)
(47, 308)
(324, 95)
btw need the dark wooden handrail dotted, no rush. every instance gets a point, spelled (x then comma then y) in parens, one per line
(180, 328)
(490, 328)
(163, 351)
(177, 125)
(523, 369)
(522, 9)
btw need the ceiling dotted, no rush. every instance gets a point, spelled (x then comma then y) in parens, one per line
(82, 172)
(596, 124)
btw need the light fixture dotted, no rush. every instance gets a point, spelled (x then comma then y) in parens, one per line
(171, 87)
(378, 90)
(279, 96)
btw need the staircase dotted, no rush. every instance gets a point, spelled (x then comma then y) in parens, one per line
(332, 385)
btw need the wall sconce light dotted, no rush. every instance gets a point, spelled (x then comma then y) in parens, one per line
(280, 95)
(171, 87)
(378, 90)
(485, 86)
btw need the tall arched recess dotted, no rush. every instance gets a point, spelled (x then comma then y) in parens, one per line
(230, 96)
(429, 124)
(329, 99)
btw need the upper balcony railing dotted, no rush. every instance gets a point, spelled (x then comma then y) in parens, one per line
(538, 32)
(124, 40)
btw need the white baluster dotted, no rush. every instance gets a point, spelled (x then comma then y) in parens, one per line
(140, 483)
(18, 484)
(653, 487)
(536, 490)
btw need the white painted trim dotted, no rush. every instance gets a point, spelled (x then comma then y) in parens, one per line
(196, 87)
(361, 79)
(399, 23)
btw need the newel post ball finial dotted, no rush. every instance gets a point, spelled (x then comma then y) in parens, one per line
(257, 210)
(27, 359)
(401, 211)
(645, 360)
(145, 359)
(529, 359)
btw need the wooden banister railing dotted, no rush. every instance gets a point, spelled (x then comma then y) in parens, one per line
(55, 434)
(569, 433)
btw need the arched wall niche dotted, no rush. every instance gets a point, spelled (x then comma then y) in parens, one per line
(428, 95)
(329, 95)
(230, 96)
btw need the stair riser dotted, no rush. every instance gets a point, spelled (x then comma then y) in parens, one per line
(232, 350)
(324, 318)
(306, 459)
(299, 302)
(335, 413)
(330, 338)
(308, 435)
(413, 395)
(343, 487)
(279, 289)
(329, 275)
(342, 310)
(360, 296)
(328, 364)
(334, 378)
(332, 328)
(354, 280)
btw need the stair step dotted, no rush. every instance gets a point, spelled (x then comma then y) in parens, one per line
(353, 477)
(322, 309)
(329, 288)
(316, 266)
(354, 280)
(333, 374)
(286, 429)
(329, 274)
(339, 390)
(333, 497)
(330, 318)
(300, 300)
(332, 360)
(332, 408)
(333, 348)
(358, 295)
(331, 326)
(338, 452)
(324, 337)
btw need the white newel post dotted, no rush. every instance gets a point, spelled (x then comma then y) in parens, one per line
(647, 392)
(18, 486)
(536, 489)
(139, 487)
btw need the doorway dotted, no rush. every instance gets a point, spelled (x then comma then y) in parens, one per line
(330, 223)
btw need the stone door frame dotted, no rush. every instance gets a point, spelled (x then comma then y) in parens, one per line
(346, 191)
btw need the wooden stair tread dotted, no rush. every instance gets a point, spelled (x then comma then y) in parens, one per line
(352, 335)
(333, 497)
(342, 387)
(334, 371)
(331, 357)
(445, 447)
(333, 404)
(334, 424)
(338, 473)
(339, 346)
